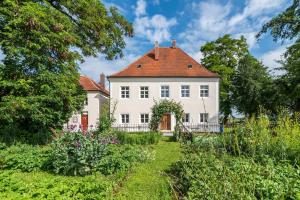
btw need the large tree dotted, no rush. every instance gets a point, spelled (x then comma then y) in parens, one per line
(222, 56)
(286, 26)
(254, 88)
(42, 42)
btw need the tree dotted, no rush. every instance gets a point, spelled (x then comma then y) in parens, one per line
(222, 56)
(42, 42)
(286, 26)
(253, 86)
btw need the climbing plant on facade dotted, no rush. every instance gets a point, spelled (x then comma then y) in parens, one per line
(166, 106)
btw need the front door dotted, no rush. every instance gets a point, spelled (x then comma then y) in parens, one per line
(165, 123)
(84, 122)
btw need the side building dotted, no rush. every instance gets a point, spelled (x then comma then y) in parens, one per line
(88, 118)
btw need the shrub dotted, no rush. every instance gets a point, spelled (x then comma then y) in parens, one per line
(40, 185)
(121, 158)
(142, 138)
(11, 135)
(207, 176)
(25, 157)
(76, 154)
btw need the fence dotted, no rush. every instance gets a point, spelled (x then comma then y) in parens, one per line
(131, 127)
(202, 127)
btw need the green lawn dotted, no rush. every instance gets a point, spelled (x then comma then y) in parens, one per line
(148, 180)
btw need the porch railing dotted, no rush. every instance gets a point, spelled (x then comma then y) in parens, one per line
(131, 127)
(202, 127)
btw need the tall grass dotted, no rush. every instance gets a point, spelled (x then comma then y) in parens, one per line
(142, 138)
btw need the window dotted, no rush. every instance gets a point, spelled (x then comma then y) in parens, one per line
(144, 92)
(186, 118)
(204, 91)
(144, 118)
(125, 118)
(124, 92)
(165, 91)
(203, 117)
(185, 91)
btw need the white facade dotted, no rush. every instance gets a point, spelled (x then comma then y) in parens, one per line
(194, 105)
(92, 109)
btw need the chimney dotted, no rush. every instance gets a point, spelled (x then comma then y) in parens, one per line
(156, 51)
(174, 44)
(102, 80)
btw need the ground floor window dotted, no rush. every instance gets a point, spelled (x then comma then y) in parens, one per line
(186, 118)
(203, 117)
(144, 118)
(125, 118)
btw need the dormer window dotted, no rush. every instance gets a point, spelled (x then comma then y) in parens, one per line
(139, 66)
(190, 66)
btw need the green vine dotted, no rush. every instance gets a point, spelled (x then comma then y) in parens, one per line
(166, 106)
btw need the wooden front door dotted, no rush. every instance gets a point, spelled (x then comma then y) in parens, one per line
(84, 122)
(165, 123)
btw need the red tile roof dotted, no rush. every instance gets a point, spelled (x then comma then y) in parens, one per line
(172, 62)
(89, 84)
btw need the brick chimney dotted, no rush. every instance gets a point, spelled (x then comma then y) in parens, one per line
(102, 80)
(174, 44)
(156, 51)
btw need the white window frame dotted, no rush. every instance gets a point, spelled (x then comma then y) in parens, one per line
(203, 92)
(144, 92)
(143, 118)
(185, 91)
(161, 91)
(121, 118)
(126, 90)
(184, 118)
(204, 117)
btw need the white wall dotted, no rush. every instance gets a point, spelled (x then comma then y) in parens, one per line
(95, 100)
(194, 105)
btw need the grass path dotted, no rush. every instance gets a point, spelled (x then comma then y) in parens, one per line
(148, 180)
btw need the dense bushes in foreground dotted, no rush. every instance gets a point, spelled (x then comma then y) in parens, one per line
(142, 138)
(254, 161)
(41, 185)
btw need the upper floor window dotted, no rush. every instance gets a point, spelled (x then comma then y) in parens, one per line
(204, 90)
(186, 118)
(124, 92)
(144, 92)
(203, 117)
(185, 91)
(165, 91)
(125, 118)
(144, 118)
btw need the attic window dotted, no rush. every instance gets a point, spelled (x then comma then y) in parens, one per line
(139, 66)
(190, 66)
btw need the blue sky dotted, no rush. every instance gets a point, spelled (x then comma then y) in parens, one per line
(192, 23)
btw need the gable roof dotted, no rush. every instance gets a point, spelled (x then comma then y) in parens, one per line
(89, 84)
(172, 62)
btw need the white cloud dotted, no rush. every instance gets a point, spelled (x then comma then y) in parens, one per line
(271, 58)
(213, 19)
(140, 8)
(155, 28)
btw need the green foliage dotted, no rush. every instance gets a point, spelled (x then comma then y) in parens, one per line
(76, 154)
(222, 57)
(43, 42)
(253, 87)
(106, 119)
(42, 186)
(203, 175)
(142, 138)
(11, 135)
(121, 158)
(25, 157)
(166, 106)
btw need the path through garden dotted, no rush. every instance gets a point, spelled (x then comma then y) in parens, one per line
(148, 180)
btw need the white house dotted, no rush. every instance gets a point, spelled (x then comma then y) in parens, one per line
(165, 73)
(88, 118)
